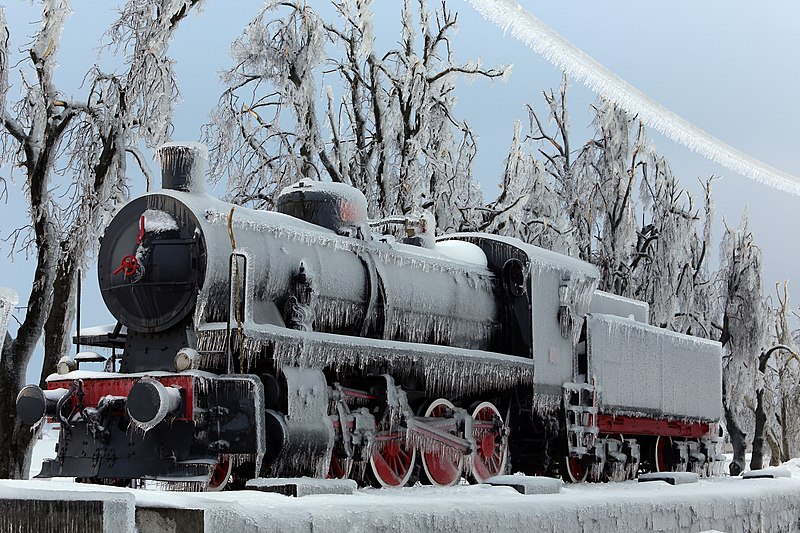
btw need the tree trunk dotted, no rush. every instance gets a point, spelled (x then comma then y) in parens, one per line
(62, 311)
(738, 441)
(16, 440)
(737, 436)
(757, 460)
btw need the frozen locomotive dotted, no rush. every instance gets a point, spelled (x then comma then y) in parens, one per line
(302, 342)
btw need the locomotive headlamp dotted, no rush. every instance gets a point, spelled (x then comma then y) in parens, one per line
(66, 365)
(149, 402)
(185, 359)
(33, 403)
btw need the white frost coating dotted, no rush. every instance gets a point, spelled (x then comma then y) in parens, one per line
(606, 303)
(25, 501)
(534, 33)
(168, 401)
(465, 252)
(104, 329)
(173, 152)
(8, 299)
(643, 369)
(156, 221)
(304, 486)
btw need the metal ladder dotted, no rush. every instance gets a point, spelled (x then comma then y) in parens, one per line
(580, 409)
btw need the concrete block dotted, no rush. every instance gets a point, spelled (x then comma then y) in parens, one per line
(767, 473)
(303, 486)
(527, 484)
(673, 478)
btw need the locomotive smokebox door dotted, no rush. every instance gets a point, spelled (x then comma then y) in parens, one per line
(151, 263)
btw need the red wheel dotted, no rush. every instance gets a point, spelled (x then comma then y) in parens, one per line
(662, 454)
(220, 475)
(391, 461)
(442, 469)
(340, 467)
(574, 470)
(491, 454)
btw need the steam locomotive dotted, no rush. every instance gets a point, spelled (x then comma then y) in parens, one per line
(305, 342)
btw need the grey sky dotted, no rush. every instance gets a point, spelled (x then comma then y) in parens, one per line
(729, 67)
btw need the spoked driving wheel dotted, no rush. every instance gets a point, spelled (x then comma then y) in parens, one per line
(491, 440)
(442, 466)
(340, 467)
(391, 461)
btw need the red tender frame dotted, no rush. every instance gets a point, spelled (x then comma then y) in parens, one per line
(630, 425)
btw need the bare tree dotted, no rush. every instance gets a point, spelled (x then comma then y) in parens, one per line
(778, 386)
(392, 130)
(72, 153)
(744, 333)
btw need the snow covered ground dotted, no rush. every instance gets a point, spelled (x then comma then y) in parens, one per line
(722, 504)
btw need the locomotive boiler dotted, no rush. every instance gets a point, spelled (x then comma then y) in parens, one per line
(305, 342)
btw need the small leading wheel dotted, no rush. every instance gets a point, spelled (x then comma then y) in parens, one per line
(662, 455)
(220, 475)
(574, 470)
(441, 468)
(489, 459)
(340, 467)
(391, 462)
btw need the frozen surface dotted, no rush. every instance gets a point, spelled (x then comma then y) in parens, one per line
(610, 304)
(156, 221)
(527, 484)
(673, 478)
(771, 472)
(644, 369)
(304, 486)
(543, 40)
(462, 251)
(722, 504)
(75, 505)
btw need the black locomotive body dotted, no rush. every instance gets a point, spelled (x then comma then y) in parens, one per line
(301, 342)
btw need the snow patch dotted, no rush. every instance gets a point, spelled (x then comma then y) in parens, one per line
(156, 221)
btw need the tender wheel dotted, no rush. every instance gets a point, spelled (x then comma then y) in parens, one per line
(391, 462)
(220, 475)
(492, 443)
(573, 470)
(662, 455)
(442, 469)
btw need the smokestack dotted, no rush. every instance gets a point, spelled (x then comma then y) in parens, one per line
(183, 166)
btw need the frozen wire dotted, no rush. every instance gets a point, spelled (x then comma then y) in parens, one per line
(534, 33)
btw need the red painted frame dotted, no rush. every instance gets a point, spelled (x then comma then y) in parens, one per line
(96, 388)
(630, 425)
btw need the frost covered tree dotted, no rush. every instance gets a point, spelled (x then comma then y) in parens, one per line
(535, 194)
(586, 202)
(778, 386)
(388, 117)
(744, 333)
(670, 262)
(72, 154)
